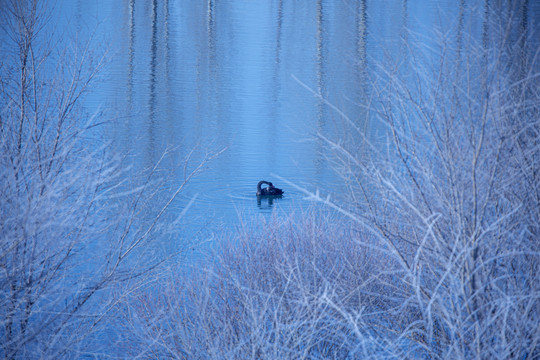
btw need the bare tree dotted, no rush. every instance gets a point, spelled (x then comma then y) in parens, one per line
(74, 229)
(453, 196)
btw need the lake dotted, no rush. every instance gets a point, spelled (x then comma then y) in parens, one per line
(264, 81)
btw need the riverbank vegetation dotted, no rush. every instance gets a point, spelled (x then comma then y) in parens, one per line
(433, 252)
(75, 223)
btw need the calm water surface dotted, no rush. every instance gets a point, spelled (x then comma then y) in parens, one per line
(241, 76)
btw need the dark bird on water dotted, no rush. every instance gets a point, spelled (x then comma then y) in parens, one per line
(269, 190)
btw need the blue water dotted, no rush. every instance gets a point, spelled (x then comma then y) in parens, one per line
(243, 77)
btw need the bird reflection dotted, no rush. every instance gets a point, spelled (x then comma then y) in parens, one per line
(267, 201)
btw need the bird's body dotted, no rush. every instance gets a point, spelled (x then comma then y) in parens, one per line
(270, 190)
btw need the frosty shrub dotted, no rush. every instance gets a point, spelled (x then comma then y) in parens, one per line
(74, 229)
(454, 194)
(286, 289)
